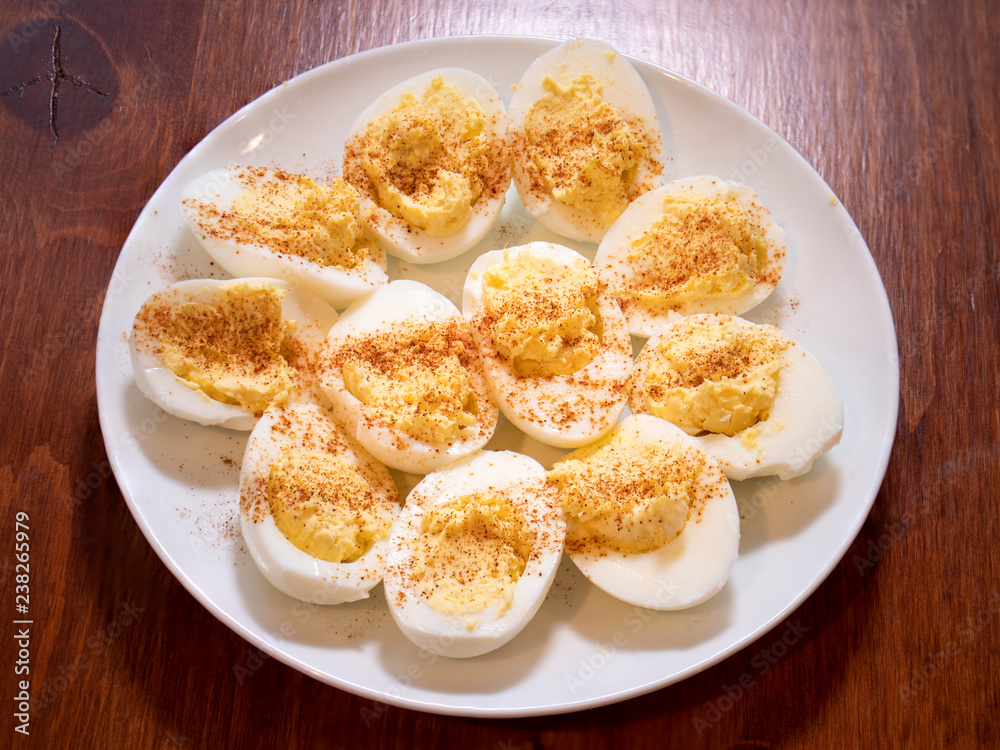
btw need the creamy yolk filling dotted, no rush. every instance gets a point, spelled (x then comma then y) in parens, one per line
(586, 153)
(470, 553)
(294, 215)
(626, 494)
(427, 159)
(543, 315)
(416, 379)
(700, 248)
(230, 348)
(324, 506)
(715, 377)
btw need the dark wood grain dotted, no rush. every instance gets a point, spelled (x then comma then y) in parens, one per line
(895, 104)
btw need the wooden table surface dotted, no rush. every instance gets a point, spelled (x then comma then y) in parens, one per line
(895, 104)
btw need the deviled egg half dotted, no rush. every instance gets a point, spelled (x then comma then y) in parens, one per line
(402, 373)
(259, 221)
(696, 245)
(650, 518)
(553, 341)
(222, 352)
(757, 401)
(473, 554)
(316, 510)
(430, 159)
(586, 138)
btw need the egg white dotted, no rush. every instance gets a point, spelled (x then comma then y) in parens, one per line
(694, 566)
(385, 310)
(623, 89)
(612, 264)
(218, 190)
(805, 421)
(313, 319)
(595, 394)
(522, 479)
(285, 566)
(402, 239)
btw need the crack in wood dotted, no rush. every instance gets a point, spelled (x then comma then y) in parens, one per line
(57, 75)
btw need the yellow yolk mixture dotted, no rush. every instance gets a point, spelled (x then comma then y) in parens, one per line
(426, 161)
(701, 248)
(588, 156)
(416, 379)
(715, 377)
(542, 315)
(625, 494)
(470, 553)
(324, 506)
(230, 349)
(294, 215)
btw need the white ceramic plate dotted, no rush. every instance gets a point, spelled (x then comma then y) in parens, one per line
(584, 648)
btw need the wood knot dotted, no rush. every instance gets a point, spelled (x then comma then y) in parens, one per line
(56, 76)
